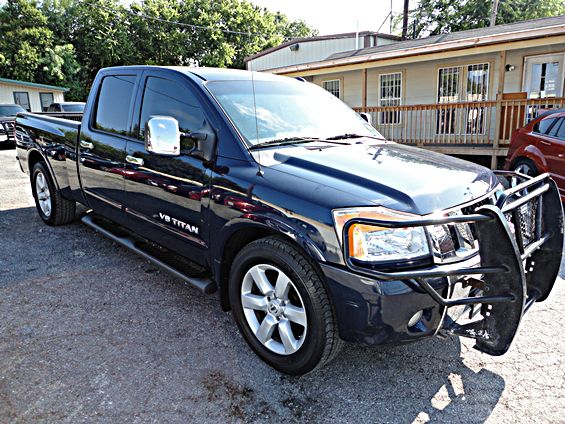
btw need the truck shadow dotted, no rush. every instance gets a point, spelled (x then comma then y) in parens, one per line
(110, 329)
(424, 381)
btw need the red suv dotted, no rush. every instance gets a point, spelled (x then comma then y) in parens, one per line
(540, 147)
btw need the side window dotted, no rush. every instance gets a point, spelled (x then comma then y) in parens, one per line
(114, 100)
(561, 133)
(555, 128)
(170, 98)
(544, 125)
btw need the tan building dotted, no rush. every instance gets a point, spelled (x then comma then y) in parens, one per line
(461, 93)
(31, 96)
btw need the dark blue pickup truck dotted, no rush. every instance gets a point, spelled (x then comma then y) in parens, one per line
(313, 228)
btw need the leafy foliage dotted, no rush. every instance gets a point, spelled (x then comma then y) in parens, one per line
(65, 42)
(432, 17)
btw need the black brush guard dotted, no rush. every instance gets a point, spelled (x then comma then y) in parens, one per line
(517, 267)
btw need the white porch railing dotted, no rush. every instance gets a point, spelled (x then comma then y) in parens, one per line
(486, 123)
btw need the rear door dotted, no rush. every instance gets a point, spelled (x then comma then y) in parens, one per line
(167, 193)
(102, 143)
(552, 145)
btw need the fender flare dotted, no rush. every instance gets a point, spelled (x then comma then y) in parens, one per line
(35, 149)
(273, 224)
(533, 153)
(270, 225)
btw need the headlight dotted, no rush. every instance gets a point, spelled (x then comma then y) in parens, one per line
(372, 243)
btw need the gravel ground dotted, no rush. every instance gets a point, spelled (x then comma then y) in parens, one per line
(91, 333)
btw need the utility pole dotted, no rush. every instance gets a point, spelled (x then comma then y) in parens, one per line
(405, 20)
(494, 13)
(390, 26)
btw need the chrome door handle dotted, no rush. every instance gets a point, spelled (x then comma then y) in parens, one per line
(133, 160)
(545, 143)
(86, 145)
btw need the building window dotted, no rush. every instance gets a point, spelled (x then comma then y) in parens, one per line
(22, 98)
(46, 100)
(332, 86)
(390, 95)
(468, 83)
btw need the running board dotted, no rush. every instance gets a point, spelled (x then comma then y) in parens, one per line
(205, 285)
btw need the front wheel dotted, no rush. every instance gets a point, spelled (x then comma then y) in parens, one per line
(282, 308)
(51, 206)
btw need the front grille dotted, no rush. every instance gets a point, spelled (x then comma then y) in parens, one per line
(471, 209)
(457, 241)
(522, 222)
(522, 219)
(7, 127)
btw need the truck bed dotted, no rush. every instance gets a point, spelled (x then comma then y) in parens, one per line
(55, 136)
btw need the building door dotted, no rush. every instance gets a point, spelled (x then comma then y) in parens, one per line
(544, 76)
(469, 83)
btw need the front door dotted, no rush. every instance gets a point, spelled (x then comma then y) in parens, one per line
(167, 193)
(552, 145)
(102, 145)
(544, 76)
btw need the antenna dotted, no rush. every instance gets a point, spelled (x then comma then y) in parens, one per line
(259, 170)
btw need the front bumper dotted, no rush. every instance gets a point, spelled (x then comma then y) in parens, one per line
(520, 245)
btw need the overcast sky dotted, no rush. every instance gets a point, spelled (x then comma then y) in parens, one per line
(332, 16)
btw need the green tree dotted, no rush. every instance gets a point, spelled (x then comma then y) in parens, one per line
(28, 47)
(98, 30)
(46, 41)
(432, 17)
(157, 41)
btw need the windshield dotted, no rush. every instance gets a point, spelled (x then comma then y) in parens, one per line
(286, 109)
(9, 111)
(73, 108)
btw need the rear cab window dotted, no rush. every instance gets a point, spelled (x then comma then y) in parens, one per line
(113, 104)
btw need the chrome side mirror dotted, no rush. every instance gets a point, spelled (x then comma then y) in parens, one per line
(162, 136)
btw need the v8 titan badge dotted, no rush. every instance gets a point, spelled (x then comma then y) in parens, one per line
(178, 223)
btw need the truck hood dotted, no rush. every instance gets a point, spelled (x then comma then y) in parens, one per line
(397, 176)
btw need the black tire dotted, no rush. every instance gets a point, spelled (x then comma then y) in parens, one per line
(525, 166)
(321, 341)
(62, 211)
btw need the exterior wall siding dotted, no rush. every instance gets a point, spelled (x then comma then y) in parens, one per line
(420, 79)
(7, 94)
(309, 51)
(350, 86)
(513, 80)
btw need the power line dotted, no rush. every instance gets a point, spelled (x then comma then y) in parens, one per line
(192, 26)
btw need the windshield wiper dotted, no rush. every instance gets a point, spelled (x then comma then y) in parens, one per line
(349, 135)
(283, 142)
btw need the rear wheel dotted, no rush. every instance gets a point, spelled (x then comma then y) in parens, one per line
(51, 206)
(523, 166)
(281, 307)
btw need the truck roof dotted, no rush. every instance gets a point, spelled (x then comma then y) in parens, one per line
(213, 74)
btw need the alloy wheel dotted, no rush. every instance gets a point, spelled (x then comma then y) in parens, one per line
(43, 193)
(274, 309)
